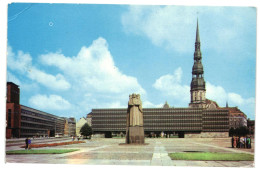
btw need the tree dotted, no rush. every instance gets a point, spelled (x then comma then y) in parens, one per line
(231, 131)
(86, 130)
(241, 131)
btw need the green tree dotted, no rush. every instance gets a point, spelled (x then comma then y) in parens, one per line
(231, 132)
(86, 130)
(241, 131)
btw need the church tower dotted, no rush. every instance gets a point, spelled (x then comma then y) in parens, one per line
(197, 86)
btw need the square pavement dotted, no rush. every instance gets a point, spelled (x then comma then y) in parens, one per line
(103, 151)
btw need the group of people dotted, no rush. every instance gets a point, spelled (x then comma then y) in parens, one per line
(241, 142)
(73, 138)
(28, 143)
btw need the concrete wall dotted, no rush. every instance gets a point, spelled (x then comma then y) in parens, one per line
(98, 136)
(207, 135)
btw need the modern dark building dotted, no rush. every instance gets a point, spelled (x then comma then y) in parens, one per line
(23, 121)
(188, 122)
(203, 117)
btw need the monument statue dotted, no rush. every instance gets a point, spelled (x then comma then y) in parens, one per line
(134, 121)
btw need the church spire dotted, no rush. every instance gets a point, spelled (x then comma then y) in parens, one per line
(226, 104)
(198, 89)
(197, 32)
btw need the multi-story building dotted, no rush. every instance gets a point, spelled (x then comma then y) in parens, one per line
(23, 121)
(186, 122)
(13, 111)
(70, 127)
(236, 117)
(36, 123)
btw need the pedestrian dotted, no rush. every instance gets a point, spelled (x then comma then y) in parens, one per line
(29, 143)
(238, 142)
(232, 141)
(245, 141)
(242, 142)
(26, 143)
(249, 142)
(235, 142)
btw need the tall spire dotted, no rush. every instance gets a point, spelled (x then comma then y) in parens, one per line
(198, 87)
(197, 32)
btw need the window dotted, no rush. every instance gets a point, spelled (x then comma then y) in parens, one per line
(9, 118)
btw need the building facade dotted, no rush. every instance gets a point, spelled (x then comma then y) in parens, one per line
(13, 110)
(236, 118)
(79, 124)
(89, 119)
(184, 122)
(70, 127)
(23, 121)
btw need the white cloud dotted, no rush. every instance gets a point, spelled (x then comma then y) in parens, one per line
(161, 25)
(12, 78)
(52, 102)
(218, 94)
(57, 82)
(174, 27)
(170, 85)
(22, 63)
(94, 69)
(148, 104)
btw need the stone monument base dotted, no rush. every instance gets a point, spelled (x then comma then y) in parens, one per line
(135, 135)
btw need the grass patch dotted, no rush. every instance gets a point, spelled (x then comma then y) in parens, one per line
(43, 151)
(207, 156)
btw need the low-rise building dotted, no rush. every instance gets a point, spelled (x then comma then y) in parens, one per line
(89, 119)
(236, 117)
(79, 124)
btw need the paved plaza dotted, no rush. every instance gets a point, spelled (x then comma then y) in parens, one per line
(101, 151)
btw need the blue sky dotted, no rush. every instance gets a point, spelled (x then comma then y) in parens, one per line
(70, 58)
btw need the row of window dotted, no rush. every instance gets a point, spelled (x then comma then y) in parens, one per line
(35, 114)
(36, 120)
(33, 131)
(35, 126)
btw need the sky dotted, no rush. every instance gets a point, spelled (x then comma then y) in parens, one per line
(71, 58)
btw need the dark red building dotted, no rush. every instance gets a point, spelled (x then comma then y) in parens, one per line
(13, 111)
(23, 121)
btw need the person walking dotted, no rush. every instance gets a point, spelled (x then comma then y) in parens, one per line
(232, 141)
(249, 142)
(235, 142)
(29, 144)
(26, 143)
(245, 141)
(238, 142)
(242, 142)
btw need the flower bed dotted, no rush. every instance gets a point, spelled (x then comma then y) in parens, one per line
(53, 144)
